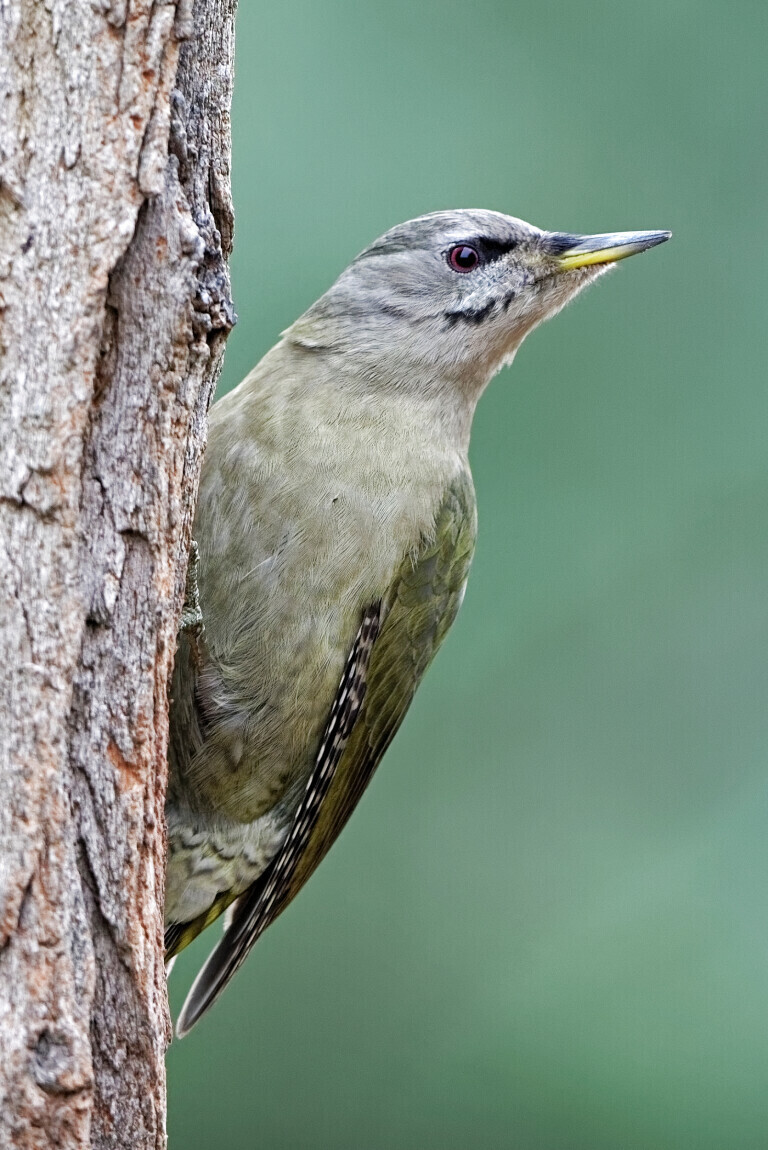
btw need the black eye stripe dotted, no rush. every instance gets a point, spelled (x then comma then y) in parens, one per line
(488, 248)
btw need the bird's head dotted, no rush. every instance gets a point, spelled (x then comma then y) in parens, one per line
(451, 295)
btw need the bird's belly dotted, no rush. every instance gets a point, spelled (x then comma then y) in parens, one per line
(278, 653)
(293, 549)
(208, 857)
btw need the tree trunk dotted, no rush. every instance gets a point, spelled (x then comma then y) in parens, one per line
(115, 226)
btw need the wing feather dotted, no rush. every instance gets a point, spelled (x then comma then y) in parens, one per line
(254, 910)
(394, 646)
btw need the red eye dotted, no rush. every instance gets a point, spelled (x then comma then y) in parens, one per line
(462, 258)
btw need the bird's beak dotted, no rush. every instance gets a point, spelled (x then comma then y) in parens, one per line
(581, 251)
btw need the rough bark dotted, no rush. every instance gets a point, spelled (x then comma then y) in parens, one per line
(115, 226)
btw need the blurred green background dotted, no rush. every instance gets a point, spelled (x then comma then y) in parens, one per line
(547, 925)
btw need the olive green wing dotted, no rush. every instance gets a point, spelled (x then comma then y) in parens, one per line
(395, 644)
(344, 713)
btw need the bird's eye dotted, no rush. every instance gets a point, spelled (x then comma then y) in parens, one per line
(463, 258)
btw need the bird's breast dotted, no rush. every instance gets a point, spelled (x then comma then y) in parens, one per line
(300, 528)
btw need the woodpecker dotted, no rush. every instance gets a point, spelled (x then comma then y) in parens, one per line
(335, 526)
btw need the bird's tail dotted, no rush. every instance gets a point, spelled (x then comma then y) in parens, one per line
(223, 962)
